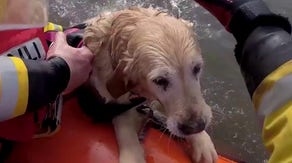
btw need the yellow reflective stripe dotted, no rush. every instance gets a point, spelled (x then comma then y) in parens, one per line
(49, 27)
(60, 28)
(52, 27)
(269, 82)
(22, 86)
(277, 133)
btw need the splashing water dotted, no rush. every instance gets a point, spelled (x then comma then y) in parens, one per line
(73, 12)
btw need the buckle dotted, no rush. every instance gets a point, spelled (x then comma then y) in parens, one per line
(146, 111)
(153, 119)
(52, 121)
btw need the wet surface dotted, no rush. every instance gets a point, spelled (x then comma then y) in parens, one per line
(234, 130)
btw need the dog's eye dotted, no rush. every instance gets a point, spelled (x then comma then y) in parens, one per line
(161, 81)
(197, 69)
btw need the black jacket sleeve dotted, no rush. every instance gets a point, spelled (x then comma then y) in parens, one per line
(265, 49)
(47, 79)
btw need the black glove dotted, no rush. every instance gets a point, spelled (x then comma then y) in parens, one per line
(223, 10)
(241, 17)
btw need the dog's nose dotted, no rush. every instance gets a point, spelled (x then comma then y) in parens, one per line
(192, 127)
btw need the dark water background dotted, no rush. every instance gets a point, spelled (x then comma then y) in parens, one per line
(234, 130)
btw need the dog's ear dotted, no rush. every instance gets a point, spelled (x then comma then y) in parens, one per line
(118, 84)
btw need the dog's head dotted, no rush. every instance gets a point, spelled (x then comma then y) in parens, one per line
(159, 58)
(167, 66)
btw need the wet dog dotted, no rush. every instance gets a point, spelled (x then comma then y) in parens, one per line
(149, 53)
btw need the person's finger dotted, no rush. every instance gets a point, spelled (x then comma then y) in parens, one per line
(87, 53)
(57, 46)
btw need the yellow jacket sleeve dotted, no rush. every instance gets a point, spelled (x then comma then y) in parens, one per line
(273, 103)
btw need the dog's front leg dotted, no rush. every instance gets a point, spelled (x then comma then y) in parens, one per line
(126, 127)
(203, 150)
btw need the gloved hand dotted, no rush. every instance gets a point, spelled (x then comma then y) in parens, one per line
(79, 61)
(223, 10)
(240, 17)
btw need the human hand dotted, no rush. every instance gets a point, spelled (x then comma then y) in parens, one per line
(79, 60)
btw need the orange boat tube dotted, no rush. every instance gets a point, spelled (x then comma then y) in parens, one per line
(81, 141)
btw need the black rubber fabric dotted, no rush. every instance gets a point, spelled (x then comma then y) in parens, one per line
(254, 14)
(47, 79)
(265, 50)
(75, 37)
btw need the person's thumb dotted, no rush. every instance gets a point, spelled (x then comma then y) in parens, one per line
(57, 46)
(60, 38)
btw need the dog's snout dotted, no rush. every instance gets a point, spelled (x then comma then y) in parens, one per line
(192, 126)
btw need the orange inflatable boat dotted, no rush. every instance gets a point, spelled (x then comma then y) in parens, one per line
(81, 141)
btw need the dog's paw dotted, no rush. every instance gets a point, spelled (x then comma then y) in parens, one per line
(131, 157)
(203, 149)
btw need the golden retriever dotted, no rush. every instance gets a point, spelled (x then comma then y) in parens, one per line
(154, 55)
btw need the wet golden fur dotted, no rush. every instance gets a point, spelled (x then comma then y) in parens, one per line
(145, 44)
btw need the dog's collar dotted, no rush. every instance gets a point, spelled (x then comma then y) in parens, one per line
(95, 106)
